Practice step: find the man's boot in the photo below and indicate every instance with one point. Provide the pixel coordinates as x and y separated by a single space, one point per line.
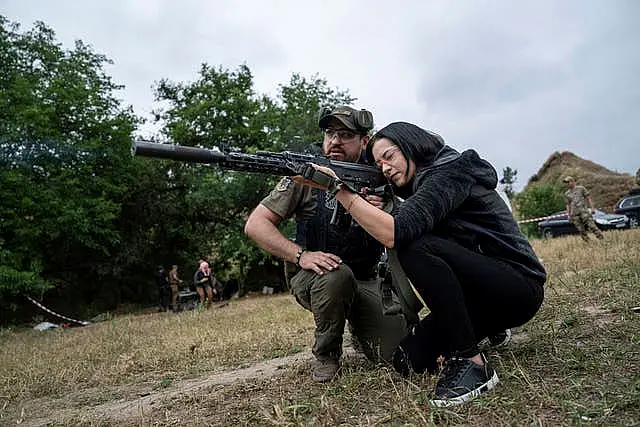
325 368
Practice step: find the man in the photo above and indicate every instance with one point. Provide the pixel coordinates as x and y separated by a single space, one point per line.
337 261
164 291
579 208
174 281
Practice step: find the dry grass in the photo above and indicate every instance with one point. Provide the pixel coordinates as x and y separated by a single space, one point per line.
156 347
576 363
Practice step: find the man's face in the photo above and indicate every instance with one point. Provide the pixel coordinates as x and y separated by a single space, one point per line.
571 185
341 143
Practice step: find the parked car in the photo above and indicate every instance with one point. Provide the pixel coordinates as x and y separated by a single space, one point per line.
630 206
558 224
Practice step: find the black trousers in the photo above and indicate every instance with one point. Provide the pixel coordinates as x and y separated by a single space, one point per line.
470 296
164 294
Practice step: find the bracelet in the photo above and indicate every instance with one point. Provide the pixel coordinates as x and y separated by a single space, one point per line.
298 256
353 199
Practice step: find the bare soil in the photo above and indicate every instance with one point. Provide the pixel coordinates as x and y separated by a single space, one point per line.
143 399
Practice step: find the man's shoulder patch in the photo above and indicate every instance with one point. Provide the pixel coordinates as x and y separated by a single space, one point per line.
283 184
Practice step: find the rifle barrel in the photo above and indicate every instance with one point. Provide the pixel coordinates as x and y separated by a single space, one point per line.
176 152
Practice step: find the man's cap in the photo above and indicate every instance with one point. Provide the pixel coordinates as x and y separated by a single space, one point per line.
360 121
568 179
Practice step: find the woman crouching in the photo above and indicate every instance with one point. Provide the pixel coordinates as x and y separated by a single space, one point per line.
461 249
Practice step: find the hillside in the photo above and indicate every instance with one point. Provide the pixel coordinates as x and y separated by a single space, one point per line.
606 186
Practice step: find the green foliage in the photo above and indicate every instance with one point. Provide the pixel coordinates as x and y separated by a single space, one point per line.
15 279
221 110
299 105
63 143
537 201
85 222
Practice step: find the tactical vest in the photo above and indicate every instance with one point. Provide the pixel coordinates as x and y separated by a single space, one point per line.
345 238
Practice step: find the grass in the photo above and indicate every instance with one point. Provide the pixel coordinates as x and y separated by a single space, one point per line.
576 363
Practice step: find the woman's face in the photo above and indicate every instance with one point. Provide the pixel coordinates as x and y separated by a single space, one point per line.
394 165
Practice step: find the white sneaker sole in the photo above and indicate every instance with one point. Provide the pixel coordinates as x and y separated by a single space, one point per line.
443 403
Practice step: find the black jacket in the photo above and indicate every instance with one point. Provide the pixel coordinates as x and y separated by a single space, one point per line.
454 197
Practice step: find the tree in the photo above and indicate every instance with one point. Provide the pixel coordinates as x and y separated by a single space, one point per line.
64 148
299 103
220 109
538 201
83 222
509 177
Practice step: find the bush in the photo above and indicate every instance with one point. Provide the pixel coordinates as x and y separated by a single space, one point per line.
536 201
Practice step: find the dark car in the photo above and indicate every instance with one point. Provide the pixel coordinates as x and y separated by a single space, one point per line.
558 224
630 206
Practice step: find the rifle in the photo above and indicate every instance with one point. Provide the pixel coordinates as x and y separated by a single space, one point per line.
287 163
359 177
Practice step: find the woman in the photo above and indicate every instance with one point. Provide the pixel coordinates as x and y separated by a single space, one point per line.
461 249
203 283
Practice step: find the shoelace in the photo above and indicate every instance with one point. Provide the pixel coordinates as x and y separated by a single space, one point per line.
452 369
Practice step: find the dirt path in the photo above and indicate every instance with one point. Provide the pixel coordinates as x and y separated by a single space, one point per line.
42 412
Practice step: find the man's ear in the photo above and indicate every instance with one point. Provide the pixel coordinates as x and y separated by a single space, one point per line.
364 141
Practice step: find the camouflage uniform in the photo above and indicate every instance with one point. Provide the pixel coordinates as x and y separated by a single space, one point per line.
338 295
580 213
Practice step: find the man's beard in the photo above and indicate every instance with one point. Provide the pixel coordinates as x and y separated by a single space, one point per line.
340 156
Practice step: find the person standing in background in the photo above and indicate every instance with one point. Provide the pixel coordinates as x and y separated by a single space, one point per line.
163 288
202 281
580 208
174 281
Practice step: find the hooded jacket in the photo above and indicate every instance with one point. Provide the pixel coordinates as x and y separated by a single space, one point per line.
453 196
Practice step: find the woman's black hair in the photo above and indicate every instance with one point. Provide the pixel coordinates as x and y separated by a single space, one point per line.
416 144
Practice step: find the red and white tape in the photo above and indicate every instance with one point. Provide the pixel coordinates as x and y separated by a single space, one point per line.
81 322
542 218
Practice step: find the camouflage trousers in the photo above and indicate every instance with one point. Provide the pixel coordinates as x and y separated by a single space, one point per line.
584 223
336 297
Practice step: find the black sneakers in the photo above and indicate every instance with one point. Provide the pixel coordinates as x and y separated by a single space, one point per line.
462 380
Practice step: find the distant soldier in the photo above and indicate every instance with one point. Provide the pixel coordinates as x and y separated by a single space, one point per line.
579 208
164 290
638 176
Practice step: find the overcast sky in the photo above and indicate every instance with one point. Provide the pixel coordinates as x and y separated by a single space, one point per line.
514 80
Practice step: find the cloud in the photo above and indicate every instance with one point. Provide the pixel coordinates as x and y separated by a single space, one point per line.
515 81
